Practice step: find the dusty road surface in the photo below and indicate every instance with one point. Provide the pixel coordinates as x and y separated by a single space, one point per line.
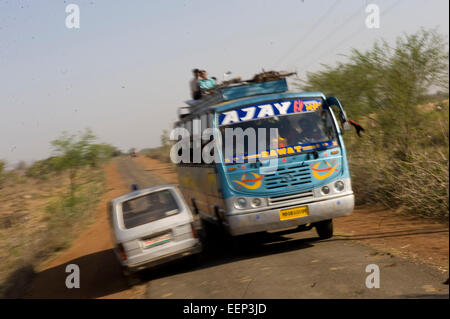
286 265
100 274
272 265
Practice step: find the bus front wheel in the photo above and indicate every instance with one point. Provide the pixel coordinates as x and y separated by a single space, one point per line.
325 228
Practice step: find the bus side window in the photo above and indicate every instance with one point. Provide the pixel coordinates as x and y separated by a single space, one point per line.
210 123
196 140
204 121
178 125
179 138
188 126
207 119
210 120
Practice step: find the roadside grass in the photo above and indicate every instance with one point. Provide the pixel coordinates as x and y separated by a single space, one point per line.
65 215
36 227
161 153
418 184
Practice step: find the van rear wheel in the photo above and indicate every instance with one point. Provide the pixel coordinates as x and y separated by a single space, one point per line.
194 260
131 278
325 229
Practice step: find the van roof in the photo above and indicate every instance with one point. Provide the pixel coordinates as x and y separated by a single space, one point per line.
141 192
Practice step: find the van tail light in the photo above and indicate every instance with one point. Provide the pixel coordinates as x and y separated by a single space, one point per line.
194 231
122 253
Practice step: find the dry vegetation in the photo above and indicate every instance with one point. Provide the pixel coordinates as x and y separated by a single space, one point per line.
418 184
43 207
401 160
38 218
161 153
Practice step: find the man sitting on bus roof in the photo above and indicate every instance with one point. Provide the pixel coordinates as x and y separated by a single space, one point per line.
195 90
205 83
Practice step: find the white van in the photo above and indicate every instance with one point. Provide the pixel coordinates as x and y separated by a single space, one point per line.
152 226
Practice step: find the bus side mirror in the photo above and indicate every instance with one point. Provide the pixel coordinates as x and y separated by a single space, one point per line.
346 126
342 115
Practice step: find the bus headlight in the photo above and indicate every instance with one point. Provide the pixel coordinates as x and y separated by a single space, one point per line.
256 202
240 203
325 190
339 186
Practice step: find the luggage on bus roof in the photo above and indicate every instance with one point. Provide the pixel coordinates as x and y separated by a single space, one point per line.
262 83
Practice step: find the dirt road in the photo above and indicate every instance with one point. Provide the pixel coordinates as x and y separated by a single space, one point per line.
274 265
100 274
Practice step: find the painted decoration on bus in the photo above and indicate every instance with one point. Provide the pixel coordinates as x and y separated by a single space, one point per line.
271 109
324 169
250 183
282 151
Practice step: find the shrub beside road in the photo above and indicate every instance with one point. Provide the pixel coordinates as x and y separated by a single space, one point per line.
45 206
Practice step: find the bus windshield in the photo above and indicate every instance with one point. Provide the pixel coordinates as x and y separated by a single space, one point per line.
309 130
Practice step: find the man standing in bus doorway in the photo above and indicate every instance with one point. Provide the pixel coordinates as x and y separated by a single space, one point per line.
195 89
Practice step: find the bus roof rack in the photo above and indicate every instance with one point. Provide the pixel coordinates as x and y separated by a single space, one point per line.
262 83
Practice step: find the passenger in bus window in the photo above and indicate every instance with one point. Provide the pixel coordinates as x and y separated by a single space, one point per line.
288 134
195 89
310 130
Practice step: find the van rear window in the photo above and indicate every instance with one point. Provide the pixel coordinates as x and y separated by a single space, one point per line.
149 208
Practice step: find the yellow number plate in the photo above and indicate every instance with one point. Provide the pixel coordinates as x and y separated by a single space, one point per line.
296 212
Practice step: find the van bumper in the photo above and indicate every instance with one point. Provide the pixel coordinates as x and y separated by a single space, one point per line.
150 263
269 219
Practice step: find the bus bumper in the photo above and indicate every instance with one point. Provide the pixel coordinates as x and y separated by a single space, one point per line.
269 219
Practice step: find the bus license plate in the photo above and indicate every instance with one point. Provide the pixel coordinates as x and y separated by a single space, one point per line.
296 212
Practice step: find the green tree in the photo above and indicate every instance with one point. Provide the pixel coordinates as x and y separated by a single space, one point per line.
403 157
40 169
98 153
73 153
165 140
389 81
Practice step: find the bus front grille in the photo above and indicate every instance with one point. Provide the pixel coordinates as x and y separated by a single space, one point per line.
288 176
295 197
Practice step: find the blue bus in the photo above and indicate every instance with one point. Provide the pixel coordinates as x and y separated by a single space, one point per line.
302 181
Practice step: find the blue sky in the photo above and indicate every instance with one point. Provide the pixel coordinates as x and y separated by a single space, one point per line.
126 70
